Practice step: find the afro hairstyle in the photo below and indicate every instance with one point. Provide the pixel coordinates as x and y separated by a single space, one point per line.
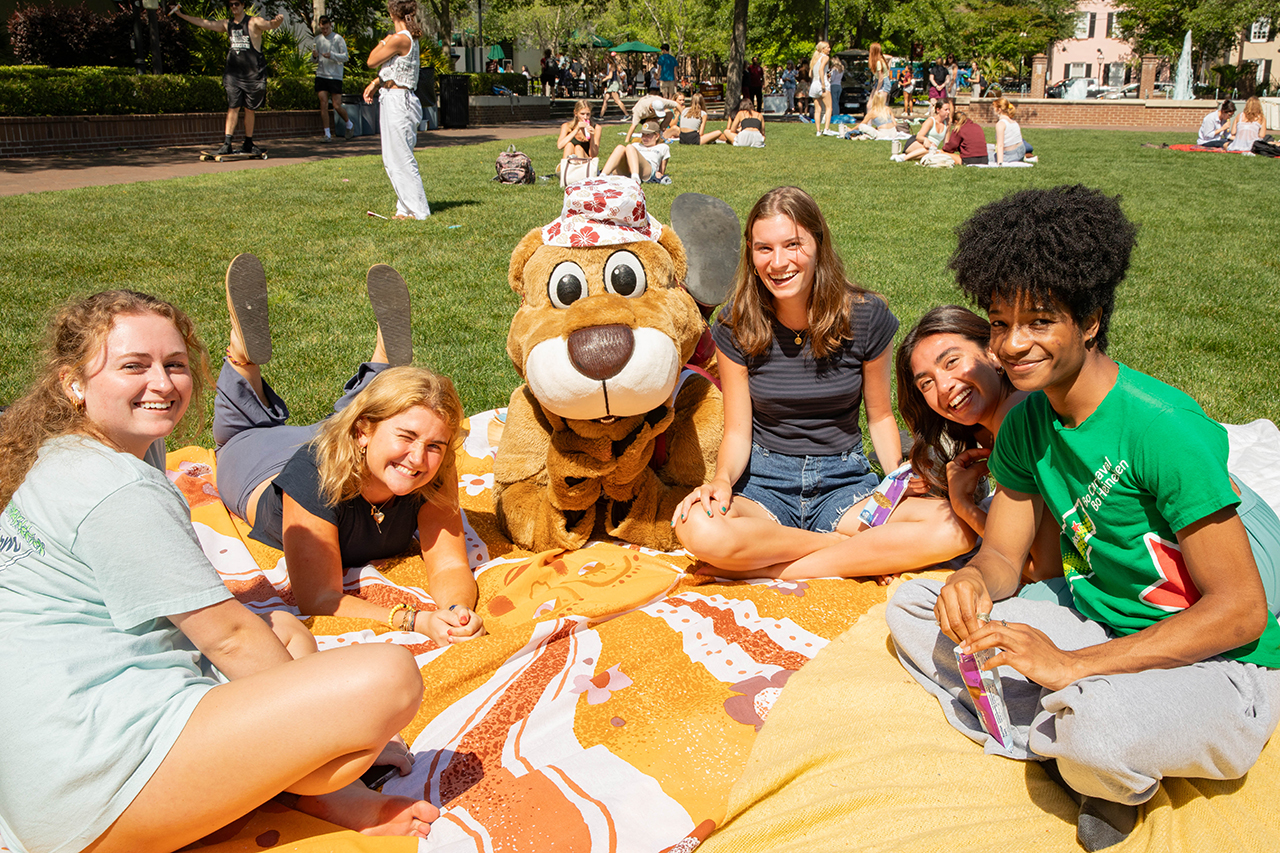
1066 246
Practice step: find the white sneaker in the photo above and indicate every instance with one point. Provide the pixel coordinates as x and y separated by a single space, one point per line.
829 132
898 158
819 133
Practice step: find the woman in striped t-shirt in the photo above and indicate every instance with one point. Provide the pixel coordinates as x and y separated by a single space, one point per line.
799 347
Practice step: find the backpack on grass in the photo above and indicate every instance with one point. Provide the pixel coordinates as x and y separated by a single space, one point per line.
514 167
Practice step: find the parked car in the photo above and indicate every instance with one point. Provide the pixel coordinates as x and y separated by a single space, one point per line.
1059 90
1130 90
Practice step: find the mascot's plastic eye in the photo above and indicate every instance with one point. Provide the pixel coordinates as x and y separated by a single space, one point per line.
568 284
624 275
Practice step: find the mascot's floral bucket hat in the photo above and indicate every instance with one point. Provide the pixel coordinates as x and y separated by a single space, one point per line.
604 211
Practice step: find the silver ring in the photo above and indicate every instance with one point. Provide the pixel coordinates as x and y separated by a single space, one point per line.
1004 623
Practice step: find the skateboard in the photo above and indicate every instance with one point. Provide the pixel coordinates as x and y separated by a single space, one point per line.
258 154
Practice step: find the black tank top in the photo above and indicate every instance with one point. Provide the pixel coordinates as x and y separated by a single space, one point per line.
244 61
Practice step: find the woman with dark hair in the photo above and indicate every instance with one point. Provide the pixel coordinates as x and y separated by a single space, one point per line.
613 82
800 346
932 133
953 396
143 699
399 110
360 484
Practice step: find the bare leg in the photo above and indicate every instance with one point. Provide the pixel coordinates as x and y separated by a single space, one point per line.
611 165
324 111
708 138
310 726
639 167
233 116
239 361
916 150
339 108
921 532
297 640
248 122
747 539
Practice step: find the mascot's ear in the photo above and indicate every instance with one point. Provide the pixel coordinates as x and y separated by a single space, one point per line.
670 241
524 251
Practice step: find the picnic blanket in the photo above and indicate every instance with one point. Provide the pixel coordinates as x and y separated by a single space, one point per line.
611 706
857 756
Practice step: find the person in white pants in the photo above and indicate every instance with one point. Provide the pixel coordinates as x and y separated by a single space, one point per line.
399 110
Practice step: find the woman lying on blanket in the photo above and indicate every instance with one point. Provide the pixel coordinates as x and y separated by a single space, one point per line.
953 396
799 346
354 487
117 735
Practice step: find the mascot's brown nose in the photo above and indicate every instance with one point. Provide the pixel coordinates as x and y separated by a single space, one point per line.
600 352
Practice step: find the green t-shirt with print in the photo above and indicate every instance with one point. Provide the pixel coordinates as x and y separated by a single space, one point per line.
1147 463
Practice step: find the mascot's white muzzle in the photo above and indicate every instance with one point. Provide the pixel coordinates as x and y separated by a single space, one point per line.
604 371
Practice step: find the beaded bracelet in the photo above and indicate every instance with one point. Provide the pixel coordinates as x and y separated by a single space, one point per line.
391 617
410 618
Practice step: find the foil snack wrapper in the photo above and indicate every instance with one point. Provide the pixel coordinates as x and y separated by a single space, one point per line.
984 689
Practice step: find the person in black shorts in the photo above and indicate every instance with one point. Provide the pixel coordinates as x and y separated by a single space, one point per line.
330 52
246 76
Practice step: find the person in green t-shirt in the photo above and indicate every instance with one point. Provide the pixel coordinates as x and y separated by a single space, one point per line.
1164 660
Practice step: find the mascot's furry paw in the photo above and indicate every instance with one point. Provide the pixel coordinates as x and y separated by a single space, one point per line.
608 433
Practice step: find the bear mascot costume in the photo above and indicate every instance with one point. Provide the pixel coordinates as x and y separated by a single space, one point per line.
610 430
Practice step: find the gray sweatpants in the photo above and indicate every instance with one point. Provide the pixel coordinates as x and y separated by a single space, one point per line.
1114 736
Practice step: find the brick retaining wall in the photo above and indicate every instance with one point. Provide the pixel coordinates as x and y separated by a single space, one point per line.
38 135
34 135
1158 113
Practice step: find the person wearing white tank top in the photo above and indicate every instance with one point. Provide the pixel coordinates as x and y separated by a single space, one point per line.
399 110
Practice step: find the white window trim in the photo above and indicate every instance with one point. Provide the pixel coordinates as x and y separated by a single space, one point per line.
1260 30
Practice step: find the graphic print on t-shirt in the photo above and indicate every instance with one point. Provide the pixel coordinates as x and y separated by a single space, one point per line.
1079 528
1175 590
239 38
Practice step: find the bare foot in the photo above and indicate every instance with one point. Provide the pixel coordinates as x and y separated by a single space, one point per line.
372 813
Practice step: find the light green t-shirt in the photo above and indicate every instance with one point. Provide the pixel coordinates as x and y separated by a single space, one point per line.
96 550
1147 463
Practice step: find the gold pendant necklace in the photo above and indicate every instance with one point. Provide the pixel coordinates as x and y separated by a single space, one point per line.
799 335
378 515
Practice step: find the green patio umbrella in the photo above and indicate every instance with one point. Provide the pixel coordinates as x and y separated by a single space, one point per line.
496 52
636 47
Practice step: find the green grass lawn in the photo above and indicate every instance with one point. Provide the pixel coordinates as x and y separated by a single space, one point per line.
1199 310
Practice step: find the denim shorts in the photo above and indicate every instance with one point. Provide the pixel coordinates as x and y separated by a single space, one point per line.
808 492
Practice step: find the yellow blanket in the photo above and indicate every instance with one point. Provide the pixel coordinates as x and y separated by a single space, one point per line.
857 756
611 706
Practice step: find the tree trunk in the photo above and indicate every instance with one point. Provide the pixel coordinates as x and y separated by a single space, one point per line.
737 56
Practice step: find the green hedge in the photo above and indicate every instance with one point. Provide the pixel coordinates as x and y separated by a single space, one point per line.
482 84
40 91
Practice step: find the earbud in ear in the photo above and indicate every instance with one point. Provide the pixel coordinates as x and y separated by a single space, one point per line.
77 390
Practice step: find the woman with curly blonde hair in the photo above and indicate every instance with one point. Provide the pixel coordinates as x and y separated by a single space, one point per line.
1249 127
157 707
355 487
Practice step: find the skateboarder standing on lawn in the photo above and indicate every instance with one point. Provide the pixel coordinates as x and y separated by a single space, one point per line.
246 76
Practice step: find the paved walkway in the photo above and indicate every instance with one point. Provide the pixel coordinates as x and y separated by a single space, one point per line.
101 168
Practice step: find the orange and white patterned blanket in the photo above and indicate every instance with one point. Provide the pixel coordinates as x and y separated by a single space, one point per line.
611 707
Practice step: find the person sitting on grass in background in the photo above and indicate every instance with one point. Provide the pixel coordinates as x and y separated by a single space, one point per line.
1009 145
879 120
371 481
330 52
747 128
578 138
158 708
1216 127
965 142
646 160
245 78
1163 660
932 133
692 125
1249 127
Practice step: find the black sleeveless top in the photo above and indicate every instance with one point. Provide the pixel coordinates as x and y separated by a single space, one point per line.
751 124
244 61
